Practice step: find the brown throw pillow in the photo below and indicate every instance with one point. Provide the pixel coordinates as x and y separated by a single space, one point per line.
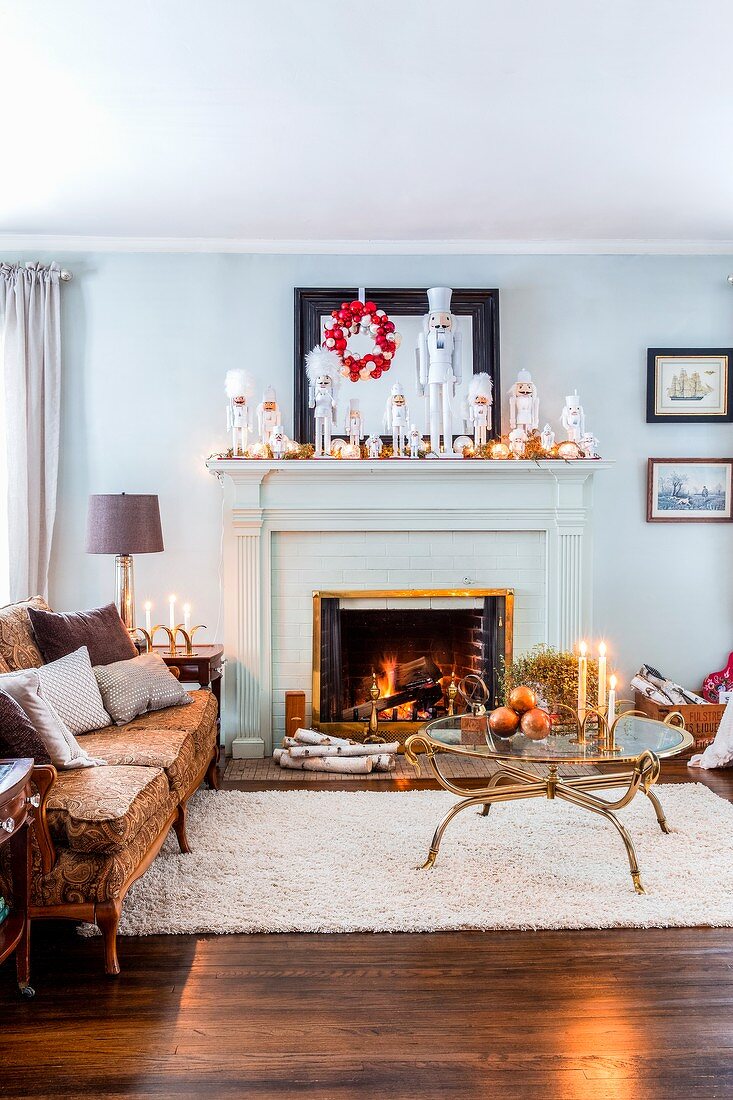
100 630
18 647
18 737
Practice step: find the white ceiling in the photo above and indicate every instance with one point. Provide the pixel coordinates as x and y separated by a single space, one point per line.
410 121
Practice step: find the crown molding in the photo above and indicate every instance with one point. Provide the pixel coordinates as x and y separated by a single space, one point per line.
38 242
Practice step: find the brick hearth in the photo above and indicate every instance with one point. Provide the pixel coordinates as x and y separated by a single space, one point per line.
266 770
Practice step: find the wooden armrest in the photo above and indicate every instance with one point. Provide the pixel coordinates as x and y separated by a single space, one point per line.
43 776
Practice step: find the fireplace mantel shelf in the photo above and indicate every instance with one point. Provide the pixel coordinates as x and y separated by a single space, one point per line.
259 469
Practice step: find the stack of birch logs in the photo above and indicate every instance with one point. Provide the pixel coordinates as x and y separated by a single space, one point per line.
308 750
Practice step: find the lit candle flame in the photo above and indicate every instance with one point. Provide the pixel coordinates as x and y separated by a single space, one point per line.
147 606
613 681
602 649
583 649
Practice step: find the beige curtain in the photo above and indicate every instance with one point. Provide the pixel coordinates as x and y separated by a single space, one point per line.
30 380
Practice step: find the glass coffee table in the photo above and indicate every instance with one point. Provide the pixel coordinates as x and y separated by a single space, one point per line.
636 747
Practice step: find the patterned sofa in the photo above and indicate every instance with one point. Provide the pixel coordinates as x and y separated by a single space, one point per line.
103 826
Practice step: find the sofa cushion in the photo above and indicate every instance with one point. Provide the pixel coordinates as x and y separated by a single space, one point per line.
78 877
198 719
101 630
71 688
172 750
137 686
102 809
18 736
65 751
18 647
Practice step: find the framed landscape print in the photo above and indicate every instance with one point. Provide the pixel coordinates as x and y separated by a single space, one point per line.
689 490
477 313
689 385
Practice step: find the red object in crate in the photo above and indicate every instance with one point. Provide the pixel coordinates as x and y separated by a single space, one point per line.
717 680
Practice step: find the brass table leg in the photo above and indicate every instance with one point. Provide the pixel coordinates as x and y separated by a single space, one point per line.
596 806
657 809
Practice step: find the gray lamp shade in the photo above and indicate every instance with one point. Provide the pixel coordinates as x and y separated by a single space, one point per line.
124 523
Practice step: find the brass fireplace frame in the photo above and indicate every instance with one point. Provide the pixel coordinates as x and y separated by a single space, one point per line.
350 729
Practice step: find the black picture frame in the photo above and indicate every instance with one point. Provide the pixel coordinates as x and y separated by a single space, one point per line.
654 416
311 303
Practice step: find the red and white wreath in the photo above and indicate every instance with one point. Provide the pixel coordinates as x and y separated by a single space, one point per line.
361 317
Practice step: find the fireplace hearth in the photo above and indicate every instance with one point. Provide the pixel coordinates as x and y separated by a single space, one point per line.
414 644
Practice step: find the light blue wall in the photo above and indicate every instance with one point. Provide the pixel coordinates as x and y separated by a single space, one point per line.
147 339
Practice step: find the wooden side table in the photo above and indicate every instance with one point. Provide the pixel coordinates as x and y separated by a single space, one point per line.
16 798
205 666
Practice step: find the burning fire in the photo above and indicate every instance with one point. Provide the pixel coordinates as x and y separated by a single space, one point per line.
386 683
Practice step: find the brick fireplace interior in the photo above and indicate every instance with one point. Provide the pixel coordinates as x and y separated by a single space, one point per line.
414 647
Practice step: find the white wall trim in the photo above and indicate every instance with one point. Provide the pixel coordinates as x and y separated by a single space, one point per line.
38 242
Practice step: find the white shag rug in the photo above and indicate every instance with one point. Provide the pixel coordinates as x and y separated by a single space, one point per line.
309 861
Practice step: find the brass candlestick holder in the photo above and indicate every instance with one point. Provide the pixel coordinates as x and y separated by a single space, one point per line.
188 636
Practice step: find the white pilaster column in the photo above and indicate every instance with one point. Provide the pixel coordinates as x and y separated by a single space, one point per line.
569 588
248 741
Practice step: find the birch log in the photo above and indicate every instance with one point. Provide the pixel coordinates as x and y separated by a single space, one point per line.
305 751
351 765
313 737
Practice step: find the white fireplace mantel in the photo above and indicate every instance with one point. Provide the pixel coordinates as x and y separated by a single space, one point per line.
263 498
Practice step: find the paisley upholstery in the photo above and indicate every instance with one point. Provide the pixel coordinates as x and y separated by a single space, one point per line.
103 809
171 750
94 877
196 719
18 647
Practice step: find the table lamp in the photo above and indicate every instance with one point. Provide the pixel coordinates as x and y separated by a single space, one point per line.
124 524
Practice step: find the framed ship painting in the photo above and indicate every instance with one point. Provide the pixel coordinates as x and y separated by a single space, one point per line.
689 490
689 385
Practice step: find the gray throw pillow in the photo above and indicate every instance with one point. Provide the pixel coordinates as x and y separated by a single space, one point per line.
130 688
61 745
71 688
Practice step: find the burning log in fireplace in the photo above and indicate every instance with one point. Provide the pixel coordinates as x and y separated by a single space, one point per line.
414 684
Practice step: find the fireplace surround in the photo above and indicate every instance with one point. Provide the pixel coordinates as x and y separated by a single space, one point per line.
293 527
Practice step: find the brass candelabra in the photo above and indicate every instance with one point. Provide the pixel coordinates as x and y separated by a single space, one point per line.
188 636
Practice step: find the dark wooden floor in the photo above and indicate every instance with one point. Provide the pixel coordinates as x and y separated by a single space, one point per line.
627 1015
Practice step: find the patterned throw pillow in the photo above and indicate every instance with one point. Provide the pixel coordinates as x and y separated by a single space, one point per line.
18 647
101 630
63 748
135 687
18 737
71 688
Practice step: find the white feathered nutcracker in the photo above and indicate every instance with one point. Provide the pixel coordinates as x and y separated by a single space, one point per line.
524 404
573 418
479 407
374 446
397 419
439 366
322 367
268 415
415 442
589 445
279 442
354 424
547 439
239 387
518 441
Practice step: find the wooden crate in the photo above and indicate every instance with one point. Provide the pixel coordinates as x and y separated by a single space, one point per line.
701 720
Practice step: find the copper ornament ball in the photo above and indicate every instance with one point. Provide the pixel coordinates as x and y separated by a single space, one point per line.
504 722
521 699
536 724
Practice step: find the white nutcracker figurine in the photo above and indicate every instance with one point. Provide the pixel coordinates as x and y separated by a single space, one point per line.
479 408
589 445
573 418
439 366
278 442
518 441
239 387
415 442
547 439
396 419
322 367
524 403
354 426
268 415
374 446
